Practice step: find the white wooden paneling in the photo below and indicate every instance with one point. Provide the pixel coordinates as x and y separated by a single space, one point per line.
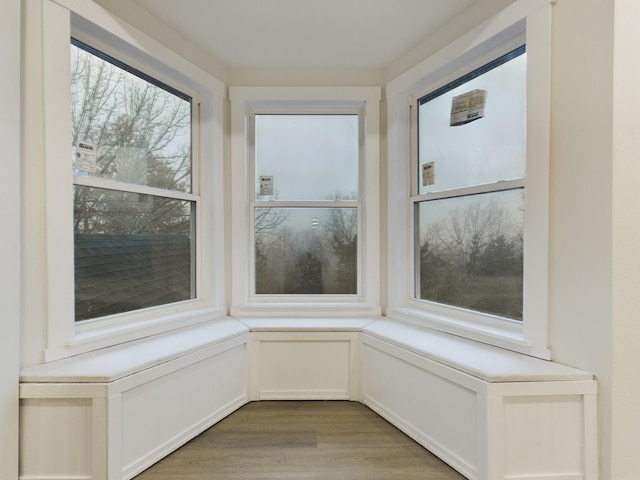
543 427
304 365
117 413
45 425
516 417
159 416
437 413
538 425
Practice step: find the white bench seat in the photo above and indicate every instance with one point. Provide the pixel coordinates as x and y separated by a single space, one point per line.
110 364
488 363
491 413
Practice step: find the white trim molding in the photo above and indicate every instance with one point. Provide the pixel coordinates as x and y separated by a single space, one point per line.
244 101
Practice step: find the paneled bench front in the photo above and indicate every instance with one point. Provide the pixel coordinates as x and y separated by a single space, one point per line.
490 413
109 414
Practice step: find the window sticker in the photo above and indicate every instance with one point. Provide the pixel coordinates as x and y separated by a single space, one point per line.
468 107
428 174
85 157
266 184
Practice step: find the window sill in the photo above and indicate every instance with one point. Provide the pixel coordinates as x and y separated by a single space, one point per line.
509 336
316 324
102 335
306 310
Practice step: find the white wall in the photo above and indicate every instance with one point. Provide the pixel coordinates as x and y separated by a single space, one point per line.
625 328
595 228
9 236
478 12
34 319
580 303
141 19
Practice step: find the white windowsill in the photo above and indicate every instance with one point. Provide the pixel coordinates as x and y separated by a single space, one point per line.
508 336
315 324
102 335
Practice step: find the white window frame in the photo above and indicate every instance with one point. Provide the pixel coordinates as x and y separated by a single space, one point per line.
524 22
246 102
92 25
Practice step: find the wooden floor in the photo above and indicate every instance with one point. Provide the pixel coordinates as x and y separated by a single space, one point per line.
301 440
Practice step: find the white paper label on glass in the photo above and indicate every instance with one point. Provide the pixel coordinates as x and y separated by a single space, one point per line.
428 174
468 107
266 184
86 156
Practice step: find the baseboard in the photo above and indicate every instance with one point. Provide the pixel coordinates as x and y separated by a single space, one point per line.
303 395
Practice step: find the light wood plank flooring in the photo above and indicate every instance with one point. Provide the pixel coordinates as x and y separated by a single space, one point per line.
302 440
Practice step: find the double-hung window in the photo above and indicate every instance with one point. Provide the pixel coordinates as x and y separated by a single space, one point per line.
134 196
469 190
306 203
305 188
131 133
469 146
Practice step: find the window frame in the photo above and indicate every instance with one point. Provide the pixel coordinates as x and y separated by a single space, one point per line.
254 203
192 196
416 198
94 27
246 102
526 22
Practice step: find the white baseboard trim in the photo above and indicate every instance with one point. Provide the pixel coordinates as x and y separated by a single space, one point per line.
303 395
551 476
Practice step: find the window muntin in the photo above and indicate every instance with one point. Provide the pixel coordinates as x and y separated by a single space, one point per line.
469 213
306 223
487 150
134 210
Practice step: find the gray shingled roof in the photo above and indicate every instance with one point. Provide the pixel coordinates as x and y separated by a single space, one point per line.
120 273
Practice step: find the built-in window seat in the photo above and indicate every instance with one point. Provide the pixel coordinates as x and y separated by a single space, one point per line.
490 413
109 414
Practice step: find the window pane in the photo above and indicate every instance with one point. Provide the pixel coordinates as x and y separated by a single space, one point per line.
485 150
306 251
127 129
132 251
309 157
470 252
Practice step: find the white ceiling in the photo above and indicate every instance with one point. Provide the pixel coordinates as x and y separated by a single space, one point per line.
359 34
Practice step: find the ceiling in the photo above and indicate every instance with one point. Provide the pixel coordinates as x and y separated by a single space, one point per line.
302 34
